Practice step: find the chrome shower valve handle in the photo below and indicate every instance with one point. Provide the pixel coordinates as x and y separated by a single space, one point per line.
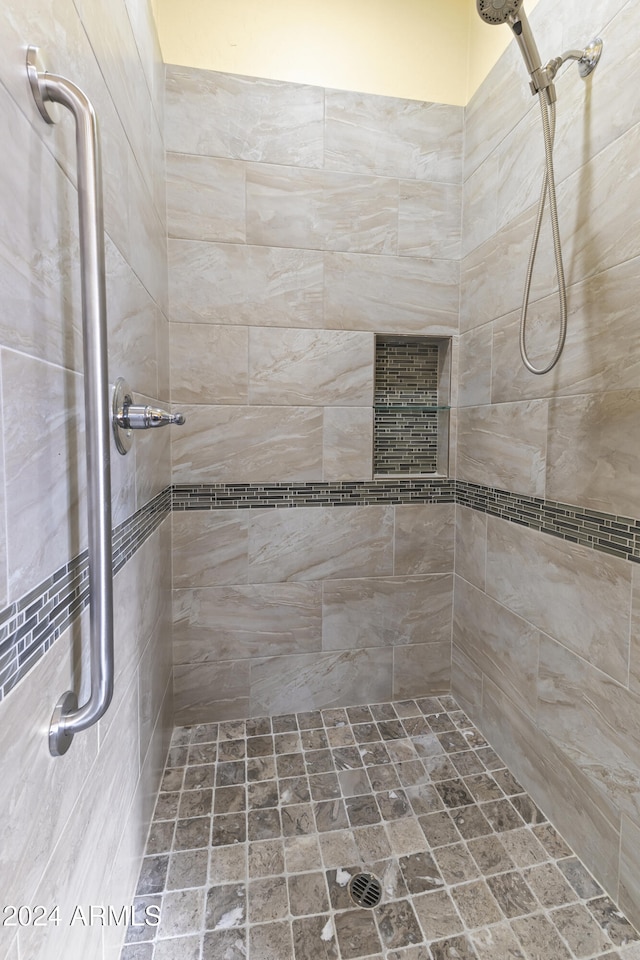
128 416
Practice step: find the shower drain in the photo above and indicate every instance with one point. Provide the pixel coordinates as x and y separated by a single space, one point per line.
365 890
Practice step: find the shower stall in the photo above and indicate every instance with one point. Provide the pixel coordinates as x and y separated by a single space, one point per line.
359 711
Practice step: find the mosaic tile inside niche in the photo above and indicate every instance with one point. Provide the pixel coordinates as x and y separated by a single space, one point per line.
260 824
406 375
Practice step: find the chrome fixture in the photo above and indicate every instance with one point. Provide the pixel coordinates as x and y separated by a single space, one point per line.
128 417
48 90
542 84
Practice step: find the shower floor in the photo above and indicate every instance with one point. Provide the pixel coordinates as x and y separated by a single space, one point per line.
261 823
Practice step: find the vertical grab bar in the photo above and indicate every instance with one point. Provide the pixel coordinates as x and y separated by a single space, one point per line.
69 718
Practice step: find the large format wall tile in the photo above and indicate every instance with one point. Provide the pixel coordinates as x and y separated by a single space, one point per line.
202 691
209 363
501 645
44 449
471 546
386 612
391 295
421 668
424 538
209 547
593 720
429 219
347 443
577 595
504 446
311 367
220 115
391 137
629 889
205 198
475 366
239 444
602 349
307 682
588 821
322 210
318 543
231 283
258 620
593 454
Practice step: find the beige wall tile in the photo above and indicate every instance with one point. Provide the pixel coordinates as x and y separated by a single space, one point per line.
313 367
205 198
424 538
209 547
253 119
500 644
258 620
594 451
319 543
475 360
429 219
421 670
209 363
496 260
634 658
30 826
347 443
504 446
629 869
588 822
392 137
232 283
471 545
206 692
466 682
321 210
480 205
391 294
592 719
227 444
386 611
602 347
44 449
310 681
132 318
575 594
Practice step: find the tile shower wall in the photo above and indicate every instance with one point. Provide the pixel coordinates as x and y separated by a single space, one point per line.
546 630
302 222
72 830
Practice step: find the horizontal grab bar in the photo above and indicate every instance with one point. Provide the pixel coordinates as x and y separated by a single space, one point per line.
69 718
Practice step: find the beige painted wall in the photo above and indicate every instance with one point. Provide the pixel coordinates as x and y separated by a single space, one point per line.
417 49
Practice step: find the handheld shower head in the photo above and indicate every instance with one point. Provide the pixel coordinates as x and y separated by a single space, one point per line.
510 12
497 11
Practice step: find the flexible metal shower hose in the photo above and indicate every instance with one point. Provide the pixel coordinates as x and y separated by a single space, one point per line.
548 111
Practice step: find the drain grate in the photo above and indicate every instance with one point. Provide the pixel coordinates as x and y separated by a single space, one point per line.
365 890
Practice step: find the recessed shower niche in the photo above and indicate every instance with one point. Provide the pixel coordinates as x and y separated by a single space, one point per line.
411 406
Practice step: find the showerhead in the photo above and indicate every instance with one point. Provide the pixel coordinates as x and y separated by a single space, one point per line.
509 11
497 11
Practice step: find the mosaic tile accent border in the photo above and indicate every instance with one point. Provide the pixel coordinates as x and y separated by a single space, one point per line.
352 493
31 625
618 536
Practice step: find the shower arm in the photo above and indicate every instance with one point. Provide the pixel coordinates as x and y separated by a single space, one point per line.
587 59
69 718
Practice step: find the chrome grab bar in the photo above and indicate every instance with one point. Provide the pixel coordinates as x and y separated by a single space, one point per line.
69 718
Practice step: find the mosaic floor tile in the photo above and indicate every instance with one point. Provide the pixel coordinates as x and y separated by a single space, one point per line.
261 824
